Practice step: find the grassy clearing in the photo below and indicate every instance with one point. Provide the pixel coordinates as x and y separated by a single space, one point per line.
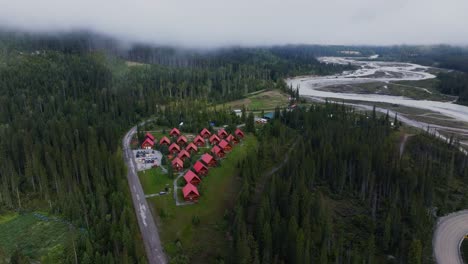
206 240
34 237
154 180
263 100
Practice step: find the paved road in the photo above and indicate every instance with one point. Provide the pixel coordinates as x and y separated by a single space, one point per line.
448 236
148 229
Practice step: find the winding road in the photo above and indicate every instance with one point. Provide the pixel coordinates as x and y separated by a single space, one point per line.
450 229
148 228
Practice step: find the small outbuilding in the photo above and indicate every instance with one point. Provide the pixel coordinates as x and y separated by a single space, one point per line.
214 139
205 133
191 177
199 141
177 164
190 193
182 141
208 160
239 133
200 169
147 144
150 136
218 152
222 133
232 139
174 132
174 148
225 145
183 154
191 148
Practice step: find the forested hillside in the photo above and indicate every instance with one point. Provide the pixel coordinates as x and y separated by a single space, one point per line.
64 106
345 195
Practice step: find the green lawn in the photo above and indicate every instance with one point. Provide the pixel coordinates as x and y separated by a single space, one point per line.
263 100
34 237
218 191
154 180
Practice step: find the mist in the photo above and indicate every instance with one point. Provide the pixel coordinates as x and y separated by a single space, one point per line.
216 23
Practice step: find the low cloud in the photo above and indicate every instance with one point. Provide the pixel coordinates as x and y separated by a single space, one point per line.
210 23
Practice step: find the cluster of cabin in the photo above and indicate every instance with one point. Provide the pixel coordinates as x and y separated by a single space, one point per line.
180 149
220 143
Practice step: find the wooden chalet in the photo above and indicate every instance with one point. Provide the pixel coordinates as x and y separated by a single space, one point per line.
199 141
209 160
214 139
232 139
164 141
191 148
239 133
177 164
174 148
174 132
190 193
200 169
183 154
191 177
147 144
222 133
150 136
182 141
218 152
225 145
205 133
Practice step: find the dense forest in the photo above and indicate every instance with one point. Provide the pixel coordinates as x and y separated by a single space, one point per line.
345 195
64 106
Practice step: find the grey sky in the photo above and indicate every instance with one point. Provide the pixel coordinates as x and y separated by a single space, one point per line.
249 22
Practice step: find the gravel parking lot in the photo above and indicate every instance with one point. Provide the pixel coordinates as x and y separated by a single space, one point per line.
147 158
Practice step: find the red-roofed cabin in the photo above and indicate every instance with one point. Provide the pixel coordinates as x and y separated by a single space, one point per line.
225 145
164 141
199 141
222 133
148 135
191 177
205 133
239 133
183 155
208 160
232 139
182 141
214 139
217 151
190 193
191 148
174 132
200 169
147 144
177 164
174 148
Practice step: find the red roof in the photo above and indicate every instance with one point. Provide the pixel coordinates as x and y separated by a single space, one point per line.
214 137
207 158
230 137
190 188
205 132
222 133
183 153
148 135
182 138
199 166
164 140
177 161
216 149
147 141
191 146
190 175
174 131
223 144
239 133
199 138
174 145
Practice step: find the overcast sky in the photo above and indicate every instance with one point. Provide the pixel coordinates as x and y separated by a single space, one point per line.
207 23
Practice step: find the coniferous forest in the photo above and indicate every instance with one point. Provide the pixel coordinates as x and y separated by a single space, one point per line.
344 195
